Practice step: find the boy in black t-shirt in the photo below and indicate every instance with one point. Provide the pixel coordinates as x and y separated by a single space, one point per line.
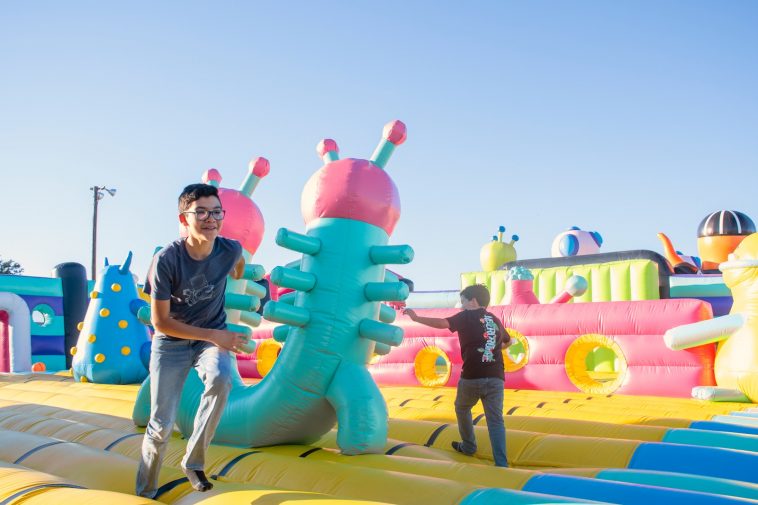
482 338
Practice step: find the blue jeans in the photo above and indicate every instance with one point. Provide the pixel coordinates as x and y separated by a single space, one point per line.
170 362
490 391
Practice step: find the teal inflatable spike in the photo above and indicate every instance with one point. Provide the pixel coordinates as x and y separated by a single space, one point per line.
255 289
236 301
293 279
253 272
297 242
386 291
286 314
382 349
387 314
280 332
288 298
380 332
391 254
251 318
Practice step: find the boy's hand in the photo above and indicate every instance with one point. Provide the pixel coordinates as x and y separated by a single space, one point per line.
229 340
410 313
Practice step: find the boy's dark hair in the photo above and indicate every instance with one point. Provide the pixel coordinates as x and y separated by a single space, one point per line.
477 292
194 192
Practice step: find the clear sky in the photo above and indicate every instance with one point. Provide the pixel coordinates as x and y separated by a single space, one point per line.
625 117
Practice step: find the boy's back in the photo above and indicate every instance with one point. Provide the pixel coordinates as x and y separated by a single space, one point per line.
481 336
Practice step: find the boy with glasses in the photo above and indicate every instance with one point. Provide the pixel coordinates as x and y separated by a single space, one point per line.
186 281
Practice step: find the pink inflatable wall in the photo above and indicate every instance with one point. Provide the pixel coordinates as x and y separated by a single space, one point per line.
636 327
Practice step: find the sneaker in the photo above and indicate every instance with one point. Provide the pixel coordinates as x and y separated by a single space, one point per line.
458 447
198 480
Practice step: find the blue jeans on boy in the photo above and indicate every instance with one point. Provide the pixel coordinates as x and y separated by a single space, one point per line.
490 391
170 362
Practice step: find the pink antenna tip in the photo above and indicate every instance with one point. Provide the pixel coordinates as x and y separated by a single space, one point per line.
395 132
260 167
211 175
326 146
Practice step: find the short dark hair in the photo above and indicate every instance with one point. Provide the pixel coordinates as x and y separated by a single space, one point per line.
478 292
194 192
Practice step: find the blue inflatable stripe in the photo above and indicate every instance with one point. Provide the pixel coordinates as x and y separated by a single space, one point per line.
681 481
721 305
498 496
709 461
46 345
621 492
708 438
728 428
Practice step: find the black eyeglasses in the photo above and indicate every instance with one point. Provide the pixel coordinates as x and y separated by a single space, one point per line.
203 214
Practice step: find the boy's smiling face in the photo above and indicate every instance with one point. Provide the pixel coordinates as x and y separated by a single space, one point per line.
202 230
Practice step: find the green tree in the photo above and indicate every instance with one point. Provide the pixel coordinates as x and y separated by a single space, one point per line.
10 267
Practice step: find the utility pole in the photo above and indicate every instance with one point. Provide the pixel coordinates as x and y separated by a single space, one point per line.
98 192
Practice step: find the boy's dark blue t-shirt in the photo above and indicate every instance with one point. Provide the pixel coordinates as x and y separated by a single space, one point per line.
481 335
194 287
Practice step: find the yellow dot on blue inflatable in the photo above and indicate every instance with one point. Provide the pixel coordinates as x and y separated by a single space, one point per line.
83 379
92 338
105 312
99 358
73 350
80 326
123 324
126 351
116 287
94 294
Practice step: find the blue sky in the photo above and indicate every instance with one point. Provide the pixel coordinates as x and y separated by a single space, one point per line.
625 117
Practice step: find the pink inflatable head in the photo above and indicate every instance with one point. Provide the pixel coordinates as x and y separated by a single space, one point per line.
243 221
355 188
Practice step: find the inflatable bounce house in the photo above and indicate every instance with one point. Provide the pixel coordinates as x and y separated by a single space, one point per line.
633 377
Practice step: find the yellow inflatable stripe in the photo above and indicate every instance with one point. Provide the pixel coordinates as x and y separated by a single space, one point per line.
19 484
447 394
56 496
226 493
691 411
576 427
530 449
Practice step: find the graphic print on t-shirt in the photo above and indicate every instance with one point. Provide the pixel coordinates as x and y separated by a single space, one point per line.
199 290
490 336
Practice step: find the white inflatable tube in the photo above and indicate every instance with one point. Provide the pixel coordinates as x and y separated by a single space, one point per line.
703 332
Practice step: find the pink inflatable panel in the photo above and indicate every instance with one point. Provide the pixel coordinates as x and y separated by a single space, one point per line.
5 343
636 327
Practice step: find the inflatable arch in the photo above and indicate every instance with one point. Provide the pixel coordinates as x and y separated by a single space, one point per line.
15 344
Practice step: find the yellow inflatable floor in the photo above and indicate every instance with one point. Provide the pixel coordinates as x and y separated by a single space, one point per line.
67 442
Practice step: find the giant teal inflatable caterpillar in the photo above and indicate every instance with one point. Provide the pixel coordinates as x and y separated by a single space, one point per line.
333 323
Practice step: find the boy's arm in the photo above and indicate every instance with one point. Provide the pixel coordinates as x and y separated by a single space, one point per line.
434 322
164 323
239 268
